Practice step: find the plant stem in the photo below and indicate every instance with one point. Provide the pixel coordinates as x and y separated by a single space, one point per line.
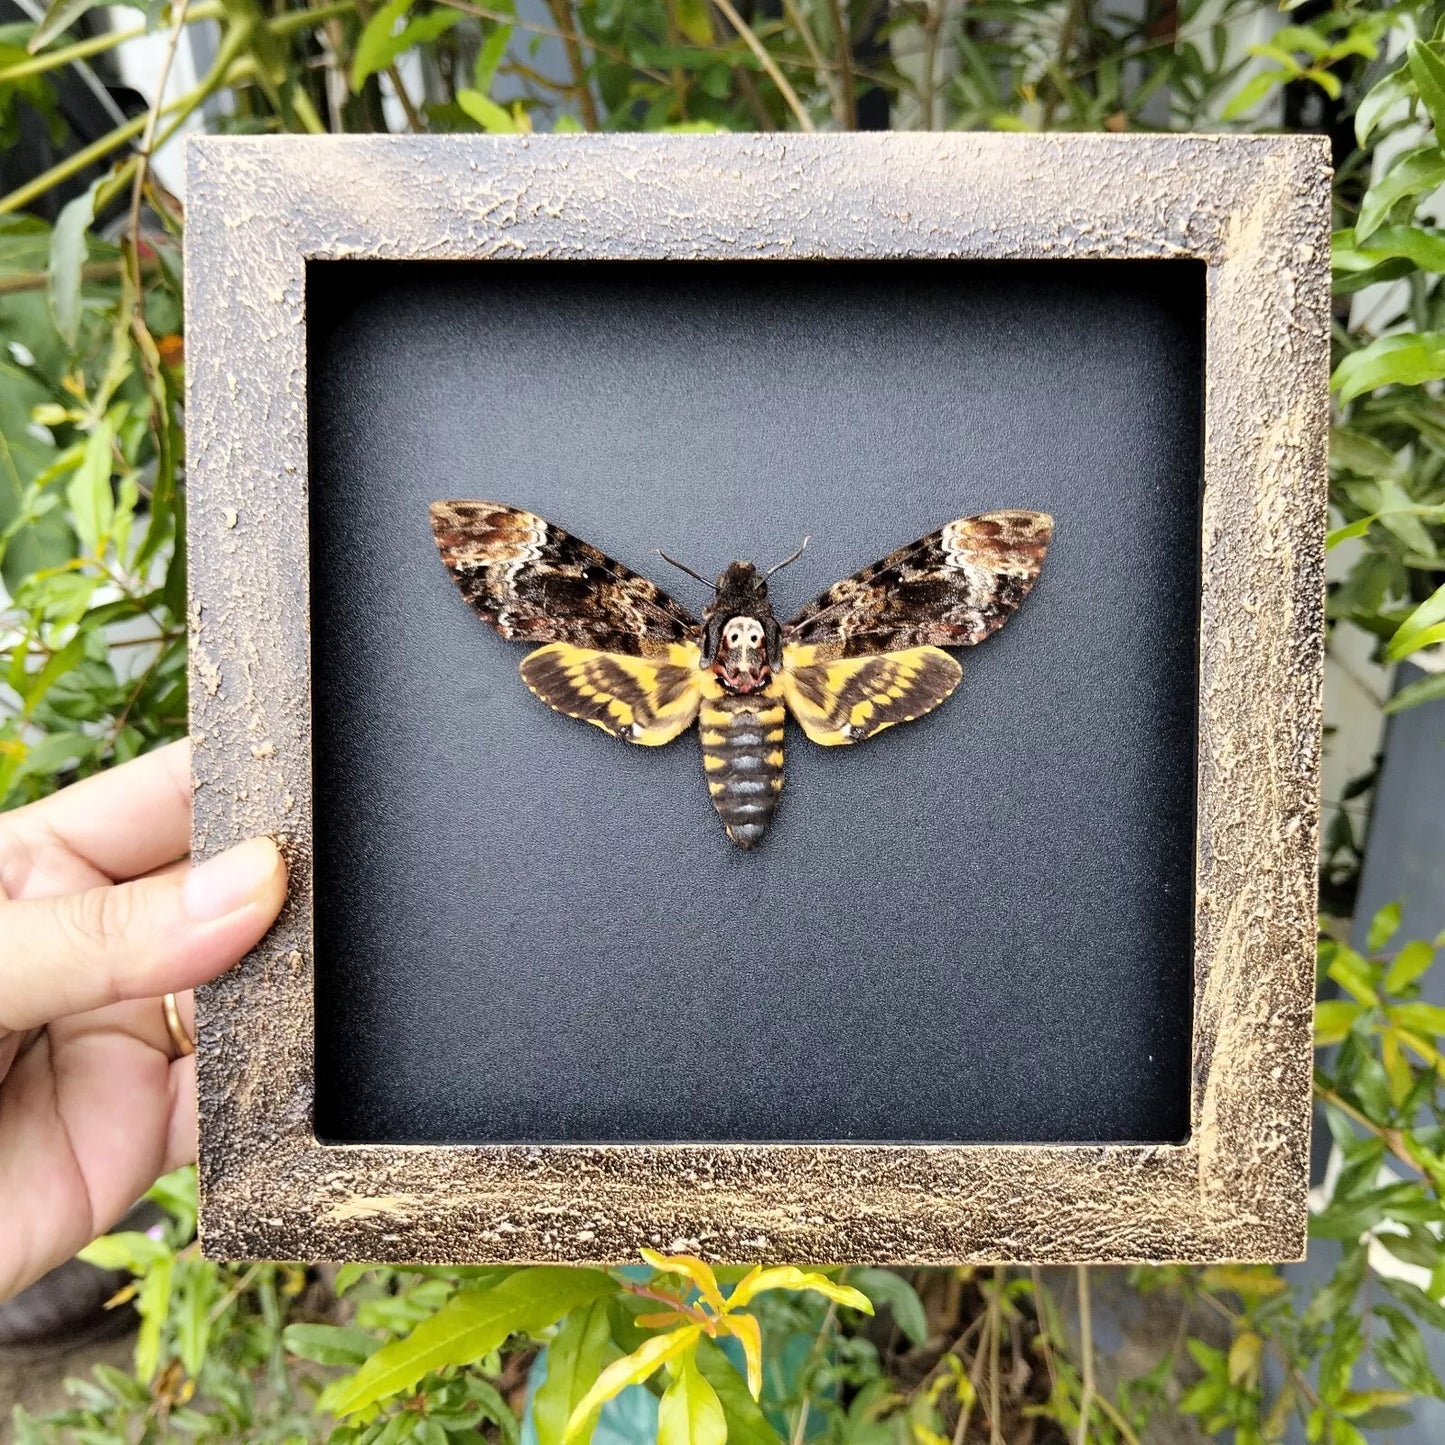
72 165
820 61
577 62
481 12
1086 1350
91 271
844 44
94 45
147 143
800 1421
745 31
932 28
995 1310
1393 1139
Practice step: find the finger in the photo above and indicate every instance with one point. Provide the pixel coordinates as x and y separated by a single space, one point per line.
157 935
181 1129
123 822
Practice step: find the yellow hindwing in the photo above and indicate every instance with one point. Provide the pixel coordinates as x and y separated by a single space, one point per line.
647 700
847 699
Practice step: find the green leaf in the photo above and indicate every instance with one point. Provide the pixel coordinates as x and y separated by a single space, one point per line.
690 1412
193 1316
1394 90
1419 171
471 1324
633 1369
694 21
127 1250
1255 90
1383 926
153 1305
1333 1020
1424 689
1420 629
67 256
328 1344
1422 246
746 1422
1419 1018
487 113
1403 360
1403 1354
489 57
1355 451
59 16
381 42
1411 961
1429 72
575 1358
884 1287
88 493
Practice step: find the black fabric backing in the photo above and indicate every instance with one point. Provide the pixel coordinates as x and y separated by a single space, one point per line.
976 927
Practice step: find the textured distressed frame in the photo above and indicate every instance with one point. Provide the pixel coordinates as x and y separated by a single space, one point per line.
1256 210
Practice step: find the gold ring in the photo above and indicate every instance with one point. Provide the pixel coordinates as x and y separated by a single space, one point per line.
184 1043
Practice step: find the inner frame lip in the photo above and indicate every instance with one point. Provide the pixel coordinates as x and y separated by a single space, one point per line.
1184 1145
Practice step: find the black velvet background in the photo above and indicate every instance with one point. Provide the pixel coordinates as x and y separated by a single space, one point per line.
976 927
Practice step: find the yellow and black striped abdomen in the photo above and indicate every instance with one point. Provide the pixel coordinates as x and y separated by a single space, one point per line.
742 754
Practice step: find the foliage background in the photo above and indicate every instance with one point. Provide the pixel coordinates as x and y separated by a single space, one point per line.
92 646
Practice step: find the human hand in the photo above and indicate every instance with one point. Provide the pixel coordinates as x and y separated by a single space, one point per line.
94 1102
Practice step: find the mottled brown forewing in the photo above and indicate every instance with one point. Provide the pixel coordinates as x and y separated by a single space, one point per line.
951 588
536 583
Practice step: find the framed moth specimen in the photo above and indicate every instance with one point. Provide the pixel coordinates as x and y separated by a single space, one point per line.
1028 979
624 656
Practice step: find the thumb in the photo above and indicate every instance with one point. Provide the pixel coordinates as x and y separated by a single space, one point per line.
156 935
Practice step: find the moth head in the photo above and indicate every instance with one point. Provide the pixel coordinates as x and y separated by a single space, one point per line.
742 580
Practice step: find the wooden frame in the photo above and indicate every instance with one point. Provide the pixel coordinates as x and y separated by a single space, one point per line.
1256 210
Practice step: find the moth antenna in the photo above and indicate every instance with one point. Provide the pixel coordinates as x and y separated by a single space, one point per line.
778 566
683 567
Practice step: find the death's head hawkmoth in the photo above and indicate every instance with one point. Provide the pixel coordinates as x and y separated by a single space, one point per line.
623 655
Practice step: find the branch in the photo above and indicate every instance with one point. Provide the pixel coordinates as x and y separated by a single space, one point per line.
572 43
1086 1350
844 43
745 31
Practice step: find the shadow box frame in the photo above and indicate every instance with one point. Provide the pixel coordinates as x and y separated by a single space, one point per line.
1254 210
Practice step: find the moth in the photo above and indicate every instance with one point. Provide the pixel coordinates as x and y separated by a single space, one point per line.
623 655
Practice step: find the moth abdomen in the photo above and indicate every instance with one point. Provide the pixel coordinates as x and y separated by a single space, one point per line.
742 759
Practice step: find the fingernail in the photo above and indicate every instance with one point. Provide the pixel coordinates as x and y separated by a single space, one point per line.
230 880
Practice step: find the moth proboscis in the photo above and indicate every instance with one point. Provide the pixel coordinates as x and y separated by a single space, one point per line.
620 653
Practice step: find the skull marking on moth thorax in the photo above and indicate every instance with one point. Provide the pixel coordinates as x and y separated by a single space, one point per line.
742 642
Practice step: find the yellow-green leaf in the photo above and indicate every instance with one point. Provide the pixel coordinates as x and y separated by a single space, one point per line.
487 113
690 1268
1420 1018
749 1335
789 1276
631 1369
1333 1020
1244 1356
471 1324
690 1412
694 21
1418 630
1411 961
1249 1282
